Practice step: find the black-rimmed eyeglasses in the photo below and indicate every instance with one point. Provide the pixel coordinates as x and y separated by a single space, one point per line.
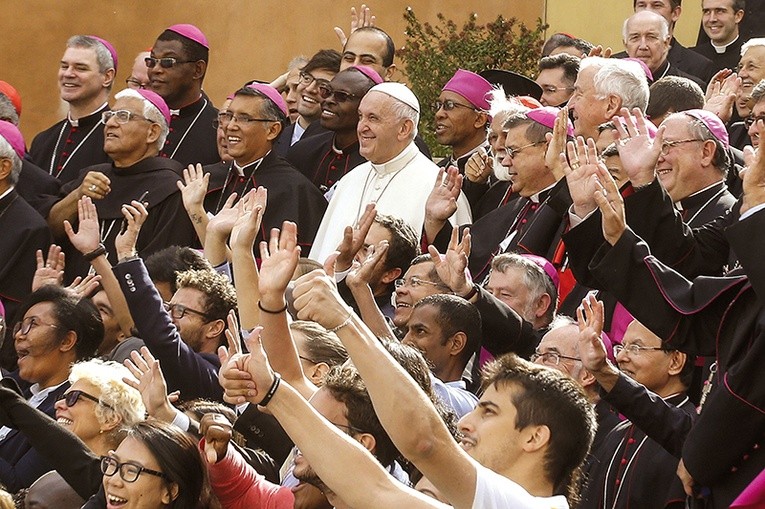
129 472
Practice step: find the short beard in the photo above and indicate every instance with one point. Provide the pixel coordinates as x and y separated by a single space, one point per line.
309 476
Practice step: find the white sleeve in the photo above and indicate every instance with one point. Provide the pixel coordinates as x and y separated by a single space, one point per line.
493 491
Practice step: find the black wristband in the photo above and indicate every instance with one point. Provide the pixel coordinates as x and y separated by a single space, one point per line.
272 389
282 310
101 249
473 291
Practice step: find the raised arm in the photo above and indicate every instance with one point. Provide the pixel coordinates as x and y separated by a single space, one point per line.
403 408
250 213
339 461
442 201
193 190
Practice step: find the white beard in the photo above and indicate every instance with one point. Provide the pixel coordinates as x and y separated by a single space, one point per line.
500 172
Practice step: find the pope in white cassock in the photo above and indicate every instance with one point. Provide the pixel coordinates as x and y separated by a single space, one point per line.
396 176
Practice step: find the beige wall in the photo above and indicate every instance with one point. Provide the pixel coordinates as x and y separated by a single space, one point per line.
249 39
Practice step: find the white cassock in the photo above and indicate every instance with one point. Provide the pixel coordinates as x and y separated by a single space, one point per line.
399 187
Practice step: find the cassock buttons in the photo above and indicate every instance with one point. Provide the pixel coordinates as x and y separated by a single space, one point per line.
624 461
524 220
631 441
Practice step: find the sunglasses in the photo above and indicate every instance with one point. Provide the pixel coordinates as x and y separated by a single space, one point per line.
165 63
325 91
72 397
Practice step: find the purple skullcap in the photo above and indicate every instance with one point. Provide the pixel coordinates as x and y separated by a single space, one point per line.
109 47
368 72
13 136
646 70
713 123
470 86
155 99
230 97
190 32
546 266
272 94
546 116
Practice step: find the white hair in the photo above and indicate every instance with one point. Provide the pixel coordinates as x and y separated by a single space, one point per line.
752 43
499 103
403 111
150 111
623 78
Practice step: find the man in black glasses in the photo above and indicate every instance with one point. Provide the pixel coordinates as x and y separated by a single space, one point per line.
177 66
758 113
85 79
326 157
319 70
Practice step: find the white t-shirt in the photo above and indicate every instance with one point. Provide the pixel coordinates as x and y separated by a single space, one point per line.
493 491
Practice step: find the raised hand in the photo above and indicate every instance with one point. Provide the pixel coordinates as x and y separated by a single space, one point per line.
452 268
222 223
88 235
479 167
316 298
611 207
754 177
135 215
592 351
84 287
194 188
556 144
442 201
217 432
279 260
638 152
250 210
363 18
721 95
599 51
580 170
49 271
150 382
354 237
363 273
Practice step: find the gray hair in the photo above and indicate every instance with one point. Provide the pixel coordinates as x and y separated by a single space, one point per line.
623 78
8 111
150 111
403 111
499 104
752 43
103 56
697 130
758 92
534 278
6 151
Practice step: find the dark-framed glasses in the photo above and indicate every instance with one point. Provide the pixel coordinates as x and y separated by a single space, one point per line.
27 324
449 105
165 63
551 358
306 78
178 311
750 120
129 472
72 397
635 349
326 91
122 116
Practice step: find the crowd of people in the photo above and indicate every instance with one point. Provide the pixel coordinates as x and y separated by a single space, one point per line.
285 302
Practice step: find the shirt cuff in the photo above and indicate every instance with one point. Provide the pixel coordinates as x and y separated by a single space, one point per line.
181 420
225 269
575 220
751 211
340 276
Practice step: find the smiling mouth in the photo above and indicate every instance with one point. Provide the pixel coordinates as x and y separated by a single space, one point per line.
63 421
309 100
115 500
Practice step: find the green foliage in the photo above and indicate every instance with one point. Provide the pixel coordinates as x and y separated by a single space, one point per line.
434 52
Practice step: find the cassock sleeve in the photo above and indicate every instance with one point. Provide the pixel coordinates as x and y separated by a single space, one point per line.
503 329
167 225
185 370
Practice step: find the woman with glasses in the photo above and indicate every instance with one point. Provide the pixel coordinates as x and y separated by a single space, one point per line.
57 330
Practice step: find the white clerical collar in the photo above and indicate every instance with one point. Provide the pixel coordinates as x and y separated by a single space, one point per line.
6 193
255 164
398 162
75 122
722 49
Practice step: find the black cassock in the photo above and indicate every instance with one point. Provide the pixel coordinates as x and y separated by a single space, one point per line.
192 137
37 187
291 196
65 148
167 223
321 162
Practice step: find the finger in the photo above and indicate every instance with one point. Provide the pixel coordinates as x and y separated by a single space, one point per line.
174 396
288 238
130 381
223 355
137 373
229 201
467 242
573 156
454 240
139 361
273 242
439 178
69 233
329 264
39 255
210 454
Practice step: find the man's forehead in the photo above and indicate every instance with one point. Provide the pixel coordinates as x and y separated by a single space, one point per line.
638 333
129 103
754 54
561 339
516 135
172 48
351 80
80 54
366 43
421 270
245 103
